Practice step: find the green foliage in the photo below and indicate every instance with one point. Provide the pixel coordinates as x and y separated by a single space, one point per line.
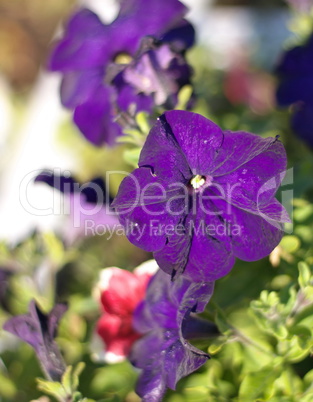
66 390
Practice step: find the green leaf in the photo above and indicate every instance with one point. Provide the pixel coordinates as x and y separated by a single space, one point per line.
258 384
223 325
183 97
54 248
53 388
142 119
304 274
7 387
131 156
302 214
217 345
67 380
290 243
76 373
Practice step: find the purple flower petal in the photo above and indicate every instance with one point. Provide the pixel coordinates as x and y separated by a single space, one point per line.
94 191
141 204
78 87
181 36
252 236
239 148
139 18
254 183
297 61
163 153
163 353
95 120
84 45
199 139
302 122
129 99
188 251
295 88
39 330
159 71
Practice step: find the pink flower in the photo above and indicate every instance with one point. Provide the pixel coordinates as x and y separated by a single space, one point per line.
119 292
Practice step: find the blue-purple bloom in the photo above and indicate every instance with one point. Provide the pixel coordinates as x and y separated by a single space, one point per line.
202 197
94 191
296 88
89 204
92 57
164 354
39 330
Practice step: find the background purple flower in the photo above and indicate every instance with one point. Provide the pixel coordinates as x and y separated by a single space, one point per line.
202 197
89 204
39 330
163 353
158 70
91 54
296 88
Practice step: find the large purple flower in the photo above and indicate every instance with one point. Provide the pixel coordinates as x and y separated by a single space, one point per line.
202 197
39 330
296 88
163 354
91 55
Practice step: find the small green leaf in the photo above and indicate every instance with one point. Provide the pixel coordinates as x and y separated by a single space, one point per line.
183 97
257 384
290 243
142 119
52 388
131 156
217 345
304 274
76 373
7 388
67 380
54 248
223 325
302 214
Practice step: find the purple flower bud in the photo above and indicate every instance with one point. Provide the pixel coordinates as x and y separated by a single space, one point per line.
39 330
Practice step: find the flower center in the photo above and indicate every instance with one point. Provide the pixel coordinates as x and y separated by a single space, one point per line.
197 181
122 58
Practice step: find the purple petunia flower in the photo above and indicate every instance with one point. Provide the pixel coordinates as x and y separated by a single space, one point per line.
92 57
158 70
164 354
88 204
202 197
39 330
296 88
